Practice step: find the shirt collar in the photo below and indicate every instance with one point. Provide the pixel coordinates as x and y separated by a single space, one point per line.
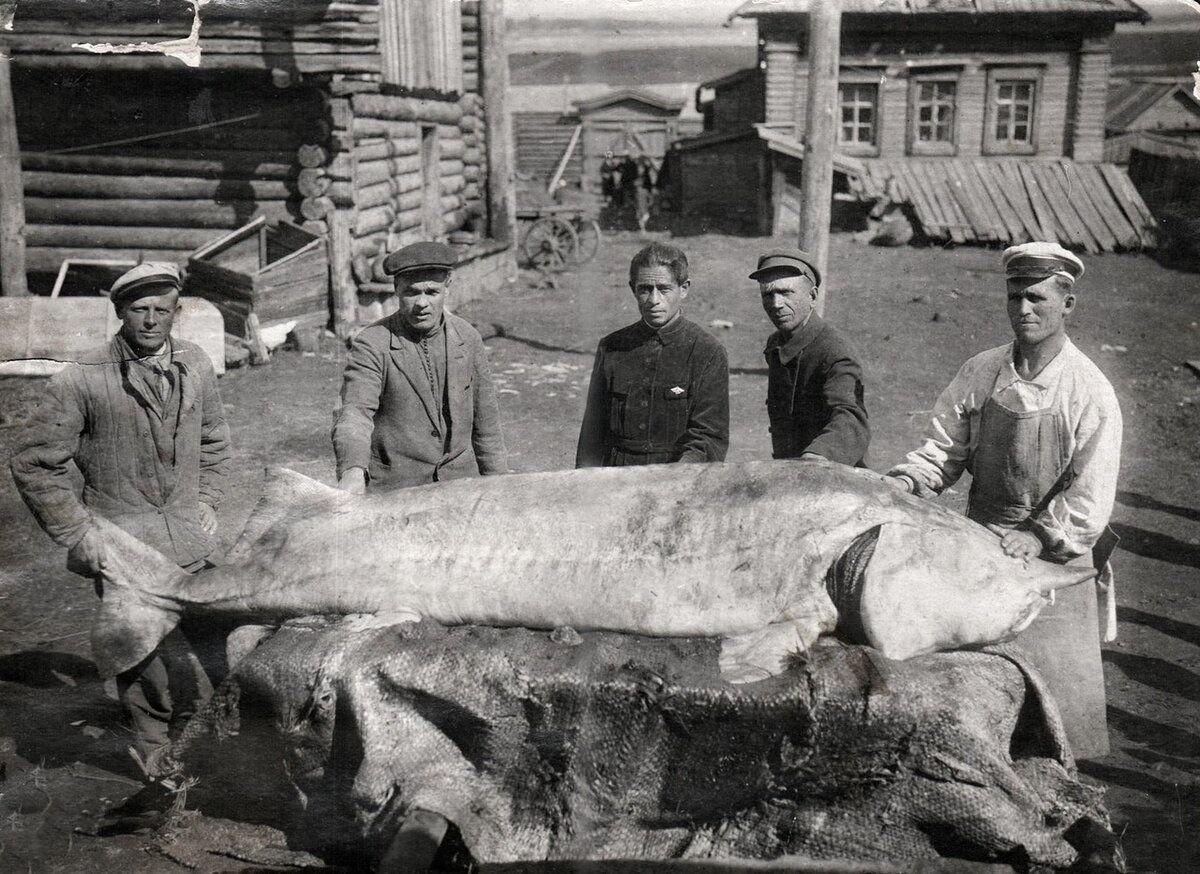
1042 380
668 333
790 346
417 336
163 359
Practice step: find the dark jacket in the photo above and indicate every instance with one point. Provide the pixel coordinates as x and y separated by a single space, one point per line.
145 472
656 396
389 421
815 395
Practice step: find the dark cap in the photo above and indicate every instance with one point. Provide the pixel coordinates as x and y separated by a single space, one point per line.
420 256
797 261
151 278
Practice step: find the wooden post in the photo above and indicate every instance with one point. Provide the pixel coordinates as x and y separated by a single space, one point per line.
820 137
502 206
12 197
345 289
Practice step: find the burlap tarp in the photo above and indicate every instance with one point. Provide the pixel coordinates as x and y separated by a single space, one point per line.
560 746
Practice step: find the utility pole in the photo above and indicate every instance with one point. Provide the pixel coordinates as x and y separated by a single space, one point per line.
820 133
12 197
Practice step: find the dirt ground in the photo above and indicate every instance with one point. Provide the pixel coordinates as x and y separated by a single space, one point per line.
914 314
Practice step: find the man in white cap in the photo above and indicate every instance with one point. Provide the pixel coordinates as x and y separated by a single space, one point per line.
1037 425
142 421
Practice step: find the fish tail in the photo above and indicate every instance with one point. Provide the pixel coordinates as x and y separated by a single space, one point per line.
284 493
137 609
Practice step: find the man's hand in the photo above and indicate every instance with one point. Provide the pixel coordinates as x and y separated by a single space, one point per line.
811 456
899 481
91 552
354 481
1024 545
208 519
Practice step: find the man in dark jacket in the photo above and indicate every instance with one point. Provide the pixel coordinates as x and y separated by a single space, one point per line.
142 420
814 382
418 403
660 387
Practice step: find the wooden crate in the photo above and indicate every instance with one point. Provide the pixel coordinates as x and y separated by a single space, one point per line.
276 273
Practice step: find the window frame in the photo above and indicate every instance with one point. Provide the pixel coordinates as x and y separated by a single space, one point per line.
935 148
859 79
1004 74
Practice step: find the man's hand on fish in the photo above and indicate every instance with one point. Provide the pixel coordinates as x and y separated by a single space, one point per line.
354 481
208 519
901 482
1024 545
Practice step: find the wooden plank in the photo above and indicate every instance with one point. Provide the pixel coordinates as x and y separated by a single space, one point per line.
920 179
1086 209
916 195
1013 188
502 204
1064 210
999 229
968 201
994 188
956 220
12 199
1123 230
1047 224
1131 203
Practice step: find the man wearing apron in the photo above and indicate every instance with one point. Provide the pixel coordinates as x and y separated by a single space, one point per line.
1037 425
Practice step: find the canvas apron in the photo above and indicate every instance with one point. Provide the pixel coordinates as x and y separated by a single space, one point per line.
1020 459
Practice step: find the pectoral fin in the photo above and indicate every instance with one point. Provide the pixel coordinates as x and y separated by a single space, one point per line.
285 493
764 652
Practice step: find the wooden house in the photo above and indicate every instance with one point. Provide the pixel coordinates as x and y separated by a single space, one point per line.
372 122
1153 116
985 113
584 121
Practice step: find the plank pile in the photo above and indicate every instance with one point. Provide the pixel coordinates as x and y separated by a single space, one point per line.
1093 207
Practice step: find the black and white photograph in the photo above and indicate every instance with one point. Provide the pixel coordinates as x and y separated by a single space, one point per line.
600 436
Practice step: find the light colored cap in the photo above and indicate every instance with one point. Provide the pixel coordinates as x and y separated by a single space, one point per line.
153 277
1039 260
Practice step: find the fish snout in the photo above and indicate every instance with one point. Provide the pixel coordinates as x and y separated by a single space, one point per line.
1051 577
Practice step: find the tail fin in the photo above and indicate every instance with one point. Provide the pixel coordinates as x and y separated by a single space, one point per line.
137 609
285 493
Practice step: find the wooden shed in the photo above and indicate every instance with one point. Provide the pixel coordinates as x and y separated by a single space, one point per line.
1144 113
956 100
625 122
374 123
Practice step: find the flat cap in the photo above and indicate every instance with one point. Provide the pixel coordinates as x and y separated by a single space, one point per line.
152 277
1039 260
798 261
420 256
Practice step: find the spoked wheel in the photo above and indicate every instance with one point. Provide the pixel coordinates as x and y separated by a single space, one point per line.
588 231
551 244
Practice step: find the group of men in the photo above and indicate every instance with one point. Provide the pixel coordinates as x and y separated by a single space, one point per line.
1034 421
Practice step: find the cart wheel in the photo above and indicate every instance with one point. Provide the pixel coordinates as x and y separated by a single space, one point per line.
551 244
588 231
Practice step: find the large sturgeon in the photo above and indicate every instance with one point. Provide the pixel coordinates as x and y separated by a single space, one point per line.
764 555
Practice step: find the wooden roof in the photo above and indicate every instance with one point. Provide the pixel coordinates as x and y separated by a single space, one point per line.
1119 10
1094 207
623 94
1128 101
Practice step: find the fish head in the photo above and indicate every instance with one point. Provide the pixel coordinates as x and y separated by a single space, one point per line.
137 609
932 586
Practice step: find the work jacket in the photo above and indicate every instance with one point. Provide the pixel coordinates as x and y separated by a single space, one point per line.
147 465
815 395
656 396
390 423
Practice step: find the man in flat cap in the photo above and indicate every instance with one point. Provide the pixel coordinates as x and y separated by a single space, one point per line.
660 387
142 421
418 403
814 381
1038 426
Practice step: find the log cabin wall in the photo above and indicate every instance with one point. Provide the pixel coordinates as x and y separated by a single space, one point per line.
361 119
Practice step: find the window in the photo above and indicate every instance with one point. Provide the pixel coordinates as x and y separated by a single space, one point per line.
1012 111
857 102
420 44
932 116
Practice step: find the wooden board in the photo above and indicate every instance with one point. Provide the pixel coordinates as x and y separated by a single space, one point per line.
1087 211
1047 223
1131 203
1102 198
1064 210
1014 229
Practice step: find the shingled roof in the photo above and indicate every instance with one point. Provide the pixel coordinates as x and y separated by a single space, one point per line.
1120 10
